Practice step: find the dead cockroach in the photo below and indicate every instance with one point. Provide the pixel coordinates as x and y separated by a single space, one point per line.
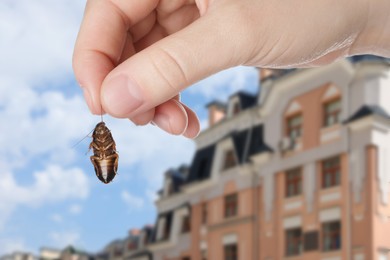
105 157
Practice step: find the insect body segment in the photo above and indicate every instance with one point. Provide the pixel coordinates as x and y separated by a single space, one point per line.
105 157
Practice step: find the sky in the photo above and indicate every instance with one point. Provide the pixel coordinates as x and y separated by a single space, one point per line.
49 194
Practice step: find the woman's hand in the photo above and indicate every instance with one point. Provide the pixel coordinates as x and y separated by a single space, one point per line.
132 58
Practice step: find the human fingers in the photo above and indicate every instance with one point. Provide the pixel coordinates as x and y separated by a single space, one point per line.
162 70
101 40
147 117
193 126
171 117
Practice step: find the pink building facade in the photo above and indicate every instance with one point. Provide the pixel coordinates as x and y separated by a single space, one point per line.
299 171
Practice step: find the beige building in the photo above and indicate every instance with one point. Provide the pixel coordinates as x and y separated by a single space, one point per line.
299 171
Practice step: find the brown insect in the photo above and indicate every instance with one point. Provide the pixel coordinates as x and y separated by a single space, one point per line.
105 157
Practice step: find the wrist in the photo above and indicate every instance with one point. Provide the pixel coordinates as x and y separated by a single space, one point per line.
374 37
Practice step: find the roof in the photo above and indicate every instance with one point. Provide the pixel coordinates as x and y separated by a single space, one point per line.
368 110
201 164
249 142
247 100
359 58
253 136
178 176
217 103
73 250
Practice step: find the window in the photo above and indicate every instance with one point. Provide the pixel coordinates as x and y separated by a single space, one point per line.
203 254
236 108
331 236
293 182
204 213
132 245
293 242
229 160
231 252
332 111
331 172
310 241
231 205
186 224
294 127
167 227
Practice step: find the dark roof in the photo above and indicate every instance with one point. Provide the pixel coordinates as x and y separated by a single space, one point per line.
201 164
249 142
217 103
368 110
247 100
178 176
359 58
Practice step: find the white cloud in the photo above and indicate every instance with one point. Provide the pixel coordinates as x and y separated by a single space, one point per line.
223 84
57 218
75 209
54 184
132 201
61 239
10 245
37 38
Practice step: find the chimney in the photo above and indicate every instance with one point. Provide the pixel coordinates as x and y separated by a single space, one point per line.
134 232
268 73
217 111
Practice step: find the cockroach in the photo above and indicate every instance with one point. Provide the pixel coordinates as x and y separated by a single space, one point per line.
105 157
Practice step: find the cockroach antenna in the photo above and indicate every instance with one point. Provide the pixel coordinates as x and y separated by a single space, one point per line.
82 139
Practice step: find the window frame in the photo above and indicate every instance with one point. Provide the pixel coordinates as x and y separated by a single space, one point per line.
334 236
229 159
231 205
333 172
295 181
291 127
230 251
186 224
297 242
336 115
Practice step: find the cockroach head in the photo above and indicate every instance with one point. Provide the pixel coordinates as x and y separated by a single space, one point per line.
100 127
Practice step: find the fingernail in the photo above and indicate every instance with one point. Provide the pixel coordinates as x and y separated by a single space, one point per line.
88 99
121 96
162 121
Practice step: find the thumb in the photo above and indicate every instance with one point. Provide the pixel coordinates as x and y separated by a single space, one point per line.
161 71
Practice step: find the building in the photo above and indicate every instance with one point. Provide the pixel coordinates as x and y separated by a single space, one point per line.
73 253
47 253
18 256
133 247
298 171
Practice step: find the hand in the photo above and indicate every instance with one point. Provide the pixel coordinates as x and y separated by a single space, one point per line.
133 57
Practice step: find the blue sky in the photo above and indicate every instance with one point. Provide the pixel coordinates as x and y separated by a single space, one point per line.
49 195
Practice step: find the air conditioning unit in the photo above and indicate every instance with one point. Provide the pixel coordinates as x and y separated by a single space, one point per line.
286 144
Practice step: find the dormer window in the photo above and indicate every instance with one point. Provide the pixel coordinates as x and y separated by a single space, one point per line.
229 160
332 111
294 126
186 224
236 108
168 187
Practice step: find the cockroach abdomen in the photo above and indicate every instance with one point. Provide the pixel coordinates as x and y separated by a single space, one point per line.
104 158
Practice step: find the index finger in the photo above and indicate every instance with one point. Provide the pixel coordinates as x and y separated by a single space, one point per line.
101 40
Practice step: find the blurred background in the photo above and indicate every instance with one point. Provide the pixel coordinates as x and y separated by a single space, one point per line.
49 194
291 164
